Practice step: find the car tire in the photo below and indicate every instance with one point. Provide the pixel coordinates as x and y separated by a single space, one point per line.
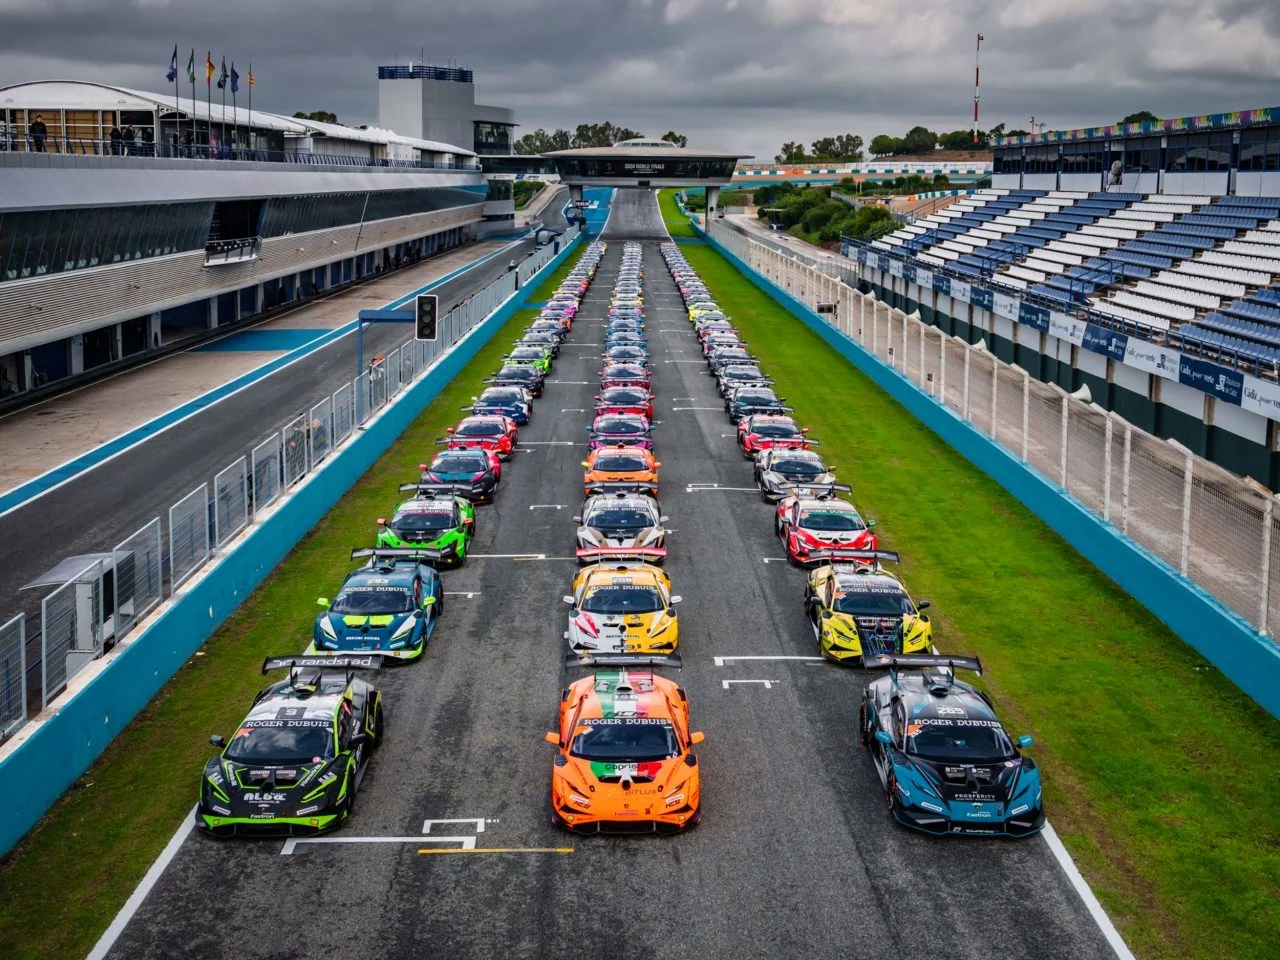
379 727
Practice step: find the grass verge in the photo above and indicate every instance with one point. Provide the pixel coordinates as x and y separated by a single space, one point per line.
1158 771
677 223
62 885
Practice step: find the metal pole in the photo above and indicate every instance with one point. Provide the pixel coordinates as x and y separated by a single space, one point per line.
1124 479
1062 473
995 386
942 369
1026 412
965 396
977 77
1186 513
1268 510
1106 472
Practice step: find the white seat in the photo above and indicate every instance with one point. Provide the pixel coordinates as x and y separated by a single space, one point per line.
1068 194
1057 256
985 234
955 246
1025 273
930 258
892 241
1177 295
1044 266
1010 280
1097 230
1266 251
1136 316
1015 222
945 254
1178 198
1070 246
1223 288
1240 261
1253 278
1159 308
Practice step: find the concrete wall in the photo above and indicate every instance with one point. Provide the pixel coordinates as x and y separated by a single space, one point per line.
62 747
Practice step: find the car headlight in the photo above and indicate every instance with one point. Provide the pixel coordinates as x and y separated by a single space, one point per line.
404 629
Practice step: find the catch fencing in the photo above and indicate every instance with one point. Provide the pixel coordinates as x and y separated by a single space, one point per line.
1216 529
98 607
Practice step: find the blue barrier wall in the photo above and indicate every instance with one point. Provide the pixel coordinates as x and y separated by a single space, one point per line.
1249 660
60 749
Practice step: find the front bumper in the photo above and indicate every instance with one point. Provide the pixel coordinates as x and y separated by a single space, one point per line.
577 821
309 826
939 824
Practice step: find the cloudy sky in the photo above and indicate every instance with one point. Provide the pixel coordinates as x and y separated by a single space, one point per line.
738 74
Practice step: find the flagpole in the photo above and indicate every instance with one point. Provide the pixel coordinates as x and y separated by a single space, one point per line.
177 102
224 112
251 106
208 94
235 120
192 74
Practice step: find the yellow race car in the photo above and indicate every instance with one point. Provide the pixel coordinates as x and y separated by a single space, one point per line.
858 607
622 608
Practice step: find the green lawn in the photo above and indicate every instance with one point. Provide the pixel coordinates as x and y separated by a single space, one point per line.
63 884
677 223
1158 772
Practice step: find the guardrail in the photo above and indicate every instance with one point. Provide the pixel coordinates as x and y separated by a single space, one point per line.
98 606
1189 540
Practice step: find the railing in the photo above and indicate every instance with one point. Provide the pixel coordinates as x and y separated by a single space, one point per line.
1214 528
80 146
91 612
217 253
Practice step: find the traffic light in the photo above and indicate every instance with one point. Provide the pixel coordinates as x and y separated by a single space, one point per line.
425 328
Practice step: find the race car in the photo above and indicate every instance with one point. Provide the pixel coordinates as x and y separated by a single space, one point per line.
513 402
721 341
713 327
546 328
294 764
620 468
437 520
521 375
943 757
771 432
625 400
627 429
721 356
784 473
624 760
622 607
745 401
473 474
856 607
805 525
537 357
496 434
737 375
624 375
626 352
391 604
621 525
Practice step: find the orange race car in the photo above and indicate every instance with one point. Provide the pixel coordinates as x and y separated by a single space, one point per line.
620 468
624 761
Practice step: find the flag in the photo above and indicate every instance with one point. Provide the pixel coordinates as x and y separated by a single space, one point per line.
209 69
222 79
981 38
191 68
251 80
172 75
235 78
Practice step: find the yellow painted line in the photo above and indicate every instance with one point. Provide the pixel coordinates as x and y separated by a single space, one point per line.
502 850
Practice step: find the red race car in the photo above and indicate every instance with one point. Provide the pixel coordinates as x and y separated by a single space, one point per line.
767 431
625 400
624 375
810 526
491 432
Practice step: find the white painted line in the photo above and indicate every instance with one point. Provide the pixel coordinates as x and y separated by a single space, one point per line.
574 410
723 661
108 938
292 844
506 556
698 408
478 821
678 399
677 361
548 443
715 488
768 684
581 382
774 559
469 594
547 506
1086 894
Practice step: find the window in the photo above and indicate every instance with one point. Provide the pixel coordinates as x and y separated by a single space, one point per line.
1199 152
1008 160
1042 159
1260 149
1082 157
1141 155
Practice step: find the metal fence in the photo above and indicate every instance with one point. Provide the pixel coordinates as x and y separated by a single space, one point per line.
13 674
76 620
1213 527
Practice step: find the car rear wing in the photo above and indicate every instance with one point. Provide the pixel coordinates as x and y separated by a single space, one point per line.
624 660
829 489
426 554
620 486
919 661
369 660
437 489
604 554
844 554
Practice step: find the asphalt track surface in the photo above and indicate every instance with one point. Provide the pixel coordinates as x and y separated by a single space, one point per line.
101 507
796 855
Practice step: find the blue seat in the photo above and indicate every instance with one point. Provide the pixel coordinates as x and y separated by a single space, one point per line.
1200 229
1183 240
1267 295
1142 246
1151 260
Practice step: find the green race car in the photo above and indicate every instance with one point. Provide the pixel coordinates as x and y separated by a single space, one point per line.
435 520
531 355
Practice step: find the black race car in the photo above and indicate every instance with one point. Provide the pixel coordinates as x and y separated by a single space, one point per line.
295 762
472 474
520 375
746 401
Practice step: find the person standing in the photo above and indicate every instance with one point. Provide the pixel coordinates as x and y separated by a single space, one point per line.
116 136
130 139
38 131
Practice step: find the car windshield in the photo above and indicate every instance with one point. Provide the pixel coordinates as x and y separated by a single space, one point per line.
789 466
526 353
517 372
775 429
831 520
482 428
743 373
756 397
622 598
422 521
281 741
619 426
622 395
620 463
631 518
946 738
873 604
626 740
368 601
459 463
501 396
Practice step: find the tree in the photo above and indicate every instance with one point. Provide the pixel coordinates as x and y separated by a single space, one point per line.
542 142
1016 133
883 145
320 116
1142 116
679 139
849 147
791 152
919 140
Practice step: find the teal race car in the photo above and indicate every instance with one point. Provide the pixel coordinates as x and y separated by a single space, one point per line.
390 605
436 520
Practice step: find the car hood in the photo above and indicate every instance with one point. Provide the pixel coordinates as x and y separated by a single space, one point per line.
625 633
974 791
269 792
618 537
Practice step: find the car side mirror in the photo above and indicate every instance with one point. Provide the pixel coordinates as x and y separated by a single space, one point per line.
663 519
871 524
804 429
469 521
419 613
697 737
323 602
1025 741
218 742
657 465
429 601
448 429
587 465
676 599
382 521
882 736
577 519
923 604
552 738
567 599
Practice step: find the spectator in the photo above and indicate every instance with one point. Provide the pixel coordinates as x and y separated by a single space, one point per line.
116 136
173 143
188 144
148 142
130 139
38 132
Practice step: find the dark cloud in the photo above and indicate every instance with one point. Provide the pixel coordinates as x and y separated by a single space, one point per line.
742 74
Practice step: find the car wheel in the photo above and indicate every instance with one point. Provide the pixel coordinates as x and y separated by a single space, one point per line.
891 790
379 726
764 495
863 737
